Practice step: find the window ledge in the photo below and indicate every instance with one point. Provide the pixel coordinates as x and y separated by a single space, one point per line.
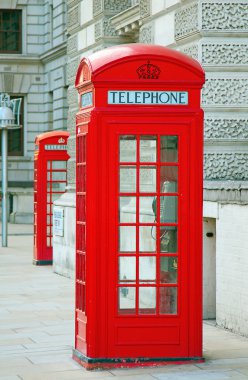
128 22
18 158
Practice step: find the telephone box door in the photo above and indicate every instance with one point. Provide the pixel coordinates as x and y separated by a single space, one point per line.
148 278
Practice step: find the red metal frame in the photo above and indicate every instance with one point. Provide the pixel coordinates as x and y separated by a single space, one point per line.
104 337
50 178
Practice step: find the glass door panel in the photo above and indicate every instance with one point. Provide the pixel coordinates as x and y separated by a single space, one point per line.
148 224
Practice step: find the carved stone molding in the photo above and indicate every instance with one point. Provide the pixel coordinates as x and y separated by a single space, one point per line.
73 18
71 171
110 6
145 8
104 28
72 45
71 145
127 23
72 96
117 6
108 28
216 128
225 15
146 35
186 21
71 121
229 166
98 30
72 67
225 91
191 50
97 7
225 54
226 191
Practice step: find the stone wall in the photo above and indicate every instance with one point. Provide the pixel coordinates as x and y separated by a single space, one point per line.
231 268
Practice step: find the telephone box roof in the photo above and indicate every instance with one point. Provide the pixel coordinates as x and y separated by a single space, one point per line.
49 135
109 57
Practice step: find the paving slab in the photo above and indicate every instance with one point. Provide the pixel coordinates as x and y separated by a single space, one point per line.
37 329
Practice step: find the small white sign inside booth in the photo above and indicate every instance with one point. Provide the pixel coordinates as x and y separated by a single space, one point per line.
58 221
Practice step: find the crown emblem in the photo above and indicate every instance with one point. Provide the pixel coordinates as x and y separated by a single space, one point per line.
61 140
148 71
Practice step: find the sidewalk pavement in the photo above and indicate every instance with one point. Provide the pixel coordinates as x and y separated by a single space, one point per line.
37 329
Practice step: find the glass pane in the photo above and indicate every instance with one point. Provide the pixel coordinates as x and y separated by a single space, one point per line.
168 300
128 149
127 239
61 186
127 209
168 270
55 196
148 148
127 269
168 209
148 179
168 239
147 268
169 149
126 300
128 179
59 164
59 176
168 179
147 300
56 186
146 213
14 141
147 239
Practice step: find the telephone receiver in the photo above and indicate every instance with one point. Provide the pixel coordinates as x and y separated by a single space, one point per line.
168 204
168 215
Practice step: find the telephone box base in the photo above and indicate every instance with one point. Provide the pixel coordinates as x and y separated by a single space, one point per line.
42 262
91 364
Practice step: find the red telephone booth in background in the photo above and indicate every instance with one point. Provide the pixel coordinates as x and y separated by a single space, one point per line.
139 208
50 178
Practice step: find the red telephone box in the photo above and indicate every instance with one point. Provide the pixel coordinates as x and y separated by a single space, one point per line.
50 161
139 208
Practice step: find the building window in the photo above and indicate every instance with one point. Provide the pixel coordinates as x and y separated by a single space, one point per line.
10 31
15 136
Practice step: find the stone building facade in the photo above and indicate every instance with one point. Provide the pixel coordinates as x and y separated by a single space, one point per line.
212 31
37 73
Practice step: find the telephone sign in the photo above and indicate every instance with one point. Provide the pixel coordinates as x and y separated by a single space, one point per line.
139 208
55 147
148 97
87 99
